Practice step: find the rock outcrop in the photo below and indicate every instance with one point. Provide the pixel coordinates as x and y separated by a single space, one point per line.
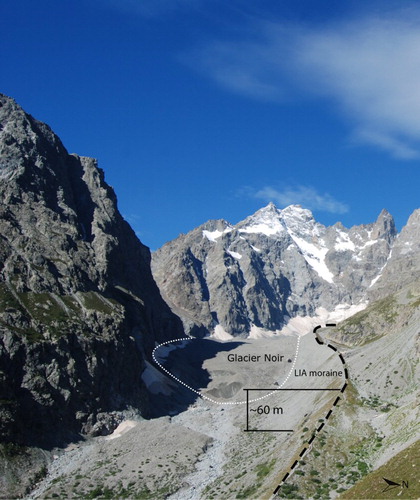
403 265
79 308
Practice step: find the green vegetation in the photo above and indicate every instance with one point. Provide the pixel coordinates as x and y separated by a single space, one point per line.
248 492
33 315
100 492
289 491
264 469
345 461
11 451
387 308
93 301
368 324
40 474
7 299
43 307
402 467
131 491
375 402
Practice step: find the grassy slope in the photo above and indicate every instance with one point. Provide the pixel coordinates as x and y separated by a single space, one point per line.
376 414
403 467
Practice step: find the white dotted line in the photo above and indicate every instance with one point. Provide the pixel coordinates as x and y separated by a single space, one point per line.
206 397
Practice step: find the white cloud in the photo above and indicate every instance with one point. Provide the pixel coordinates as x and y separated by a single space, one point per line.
253 68
370 67
306 196
132 218
398 148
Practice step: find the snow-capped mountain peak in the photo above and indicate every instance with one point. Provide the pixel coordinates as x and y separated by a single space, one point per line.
300 222
268 221
273 265
300 225
297 212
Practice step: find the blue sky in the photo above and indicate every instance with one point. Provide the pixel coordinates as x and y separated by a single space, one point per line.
206 109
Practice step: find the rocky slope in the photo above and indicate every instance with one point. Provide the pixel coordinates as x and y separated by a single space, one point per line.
79 309
380 418
273 266
204 453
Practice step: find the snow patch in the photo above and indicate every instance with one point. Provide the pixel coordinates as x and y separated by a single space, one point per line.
213 235
375 280
344 311
301 325
164 350
301 221
235 255
368 244
221 334
155 381
121 429
380 270
343 242
256 249
260 333
315 257
274 227
266 221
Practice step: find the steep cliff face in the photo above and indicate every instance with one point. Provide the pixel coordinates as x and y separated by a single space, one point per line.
403 265
79 309
273 266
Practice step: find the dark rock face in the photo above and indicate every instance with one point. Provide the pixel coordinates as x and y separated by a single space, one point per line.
79 308
273 266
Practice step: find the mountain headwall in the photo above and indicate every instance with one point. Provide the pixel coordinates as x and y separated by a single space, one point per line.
79 308
273 266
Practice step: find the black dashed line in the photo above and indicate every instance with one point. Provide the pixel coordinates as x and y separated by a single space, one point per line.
346 373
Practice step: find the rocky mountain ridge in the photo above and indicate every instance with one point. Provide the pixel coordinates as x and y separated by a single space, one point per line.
253 277
79 309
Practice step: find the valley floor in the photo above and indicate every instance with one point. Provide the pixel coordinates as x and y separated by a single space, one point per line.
212 450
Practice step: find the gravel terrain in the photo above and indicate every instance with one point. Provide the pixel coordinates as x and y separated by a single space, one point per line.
204 453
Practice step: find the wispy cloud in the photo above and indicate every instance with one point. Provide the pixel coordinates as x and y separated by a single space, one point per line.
132 218
306 196
370 67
